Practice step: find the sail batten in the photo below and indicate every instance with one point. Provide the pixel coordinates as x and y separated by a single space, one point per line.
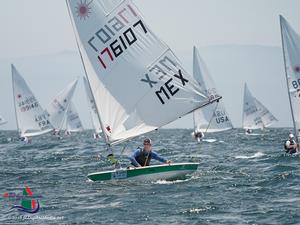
137 82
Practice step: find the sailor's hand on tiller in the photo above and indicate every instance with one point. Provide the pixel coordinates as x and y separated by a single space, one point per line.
168 161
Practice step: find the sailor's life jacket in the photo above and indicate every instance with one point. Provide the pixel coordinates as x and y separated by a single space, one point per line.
290 150
144 158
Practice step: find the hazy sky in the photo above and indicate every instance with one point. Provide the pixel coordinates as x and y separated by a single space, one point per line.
43 26
35 27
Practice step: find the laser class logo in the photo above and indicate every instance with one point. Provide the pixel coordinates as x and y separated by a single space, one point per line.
83 9
28 202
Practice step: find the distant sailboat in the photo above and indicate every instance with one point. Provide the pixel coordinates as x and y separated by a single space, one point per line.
137 82
32 120
57 109
93 110
214 117
73 122
255 114
291 54
2 121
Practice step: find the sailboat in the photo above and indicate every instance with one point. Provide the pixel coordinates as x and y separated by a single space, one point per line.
291 54
2 121
255 114
73 122
32 120
93 110
58 108
137 83
214 117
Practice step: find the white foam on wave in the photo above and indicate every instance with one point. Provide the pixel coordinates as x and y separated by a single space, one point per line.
256 155
171 182
210 140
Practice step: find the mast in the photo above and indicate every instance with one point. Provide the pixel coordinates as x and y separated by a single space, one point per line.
84 67
243 119
286 76
13 84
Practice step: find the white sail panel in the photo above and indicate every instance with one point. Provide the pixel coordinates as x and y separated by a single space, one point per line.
137 82
266 116
32 120
251 114
291 51
73 122
93 110
214 117
57 109
2 120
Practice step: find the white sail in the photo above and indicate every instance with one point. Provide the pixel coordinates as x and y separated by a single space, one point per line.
2 120
291 53
214 117
266 116
73 122
57 109
93 109
251 113
32 120
137 82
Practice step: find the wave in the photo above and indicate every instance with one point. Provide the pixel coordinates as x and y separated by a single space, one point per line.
256 155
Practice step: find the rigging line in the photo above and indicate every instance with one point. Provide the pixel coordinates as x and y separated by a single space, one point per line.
211 117
125 146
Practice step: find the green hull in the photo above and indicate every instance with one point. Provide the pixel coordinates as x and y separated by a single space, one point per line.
149 173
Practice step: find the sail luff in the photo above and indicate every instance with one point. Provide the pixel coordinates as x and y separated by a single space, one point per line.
13 85
286 75
83 63
93 109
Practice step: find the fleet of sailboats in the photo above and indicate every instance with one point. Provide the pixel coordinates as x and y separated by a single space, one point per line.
135 84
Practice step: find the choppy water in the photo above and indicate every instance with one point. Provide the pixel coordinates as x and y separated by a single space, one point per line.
241 180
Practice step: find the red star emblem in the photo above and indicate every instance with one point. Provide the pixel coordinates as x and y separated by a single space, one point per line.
108 129
83 9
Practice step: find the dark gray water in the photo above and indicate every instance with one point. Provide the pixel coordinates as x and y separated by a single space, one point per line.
241 180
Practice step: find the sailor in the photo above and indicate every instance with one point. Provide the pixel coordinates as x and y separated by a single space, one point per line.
291 145
96 136
142 156
199 135
26 140
248 131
